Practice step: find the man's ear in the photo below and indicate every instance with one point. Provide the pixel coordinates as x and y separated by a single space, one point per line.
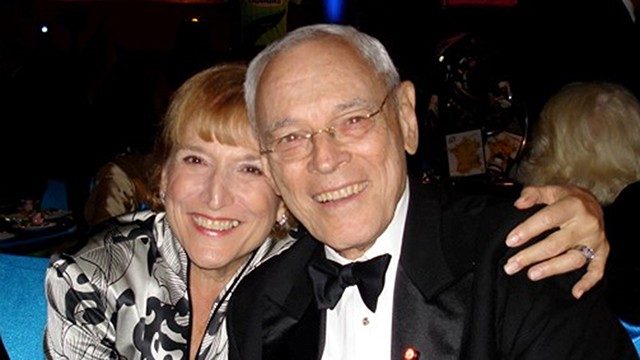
406 98
266 169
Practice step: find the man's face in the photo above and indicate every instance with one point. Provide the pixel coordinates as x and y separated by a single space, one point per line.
344 193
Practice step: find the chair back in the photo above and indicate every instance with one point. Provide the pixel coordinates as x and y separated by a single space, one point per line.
634 334
23 306
55 195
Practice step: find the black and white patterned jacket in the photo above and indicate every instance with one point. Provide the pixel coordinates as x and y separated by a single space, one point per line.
124 295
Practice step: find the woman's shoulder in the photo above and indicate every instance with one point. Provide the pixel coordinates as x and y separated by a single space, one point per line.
113 248
126 233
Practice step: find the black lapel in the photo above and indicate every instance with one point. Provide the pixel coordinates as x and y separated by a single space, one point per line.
431 295
422 257
293 327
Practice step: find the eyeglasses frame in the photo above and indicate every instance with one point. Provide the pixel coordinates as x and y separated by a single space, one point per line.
331 130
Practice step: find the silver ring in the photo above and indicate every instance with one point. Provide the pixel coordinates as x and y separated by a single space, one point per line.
588 253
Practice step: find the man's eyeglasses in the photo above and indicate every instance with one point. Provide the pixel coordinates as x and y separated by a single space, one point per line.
298 144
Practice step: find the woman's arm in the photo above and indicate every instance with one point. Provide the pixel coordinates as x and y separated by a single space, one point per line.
78 325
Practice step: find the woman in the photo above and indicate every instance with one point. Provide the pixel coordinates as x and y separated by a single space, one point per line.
155 285
589 135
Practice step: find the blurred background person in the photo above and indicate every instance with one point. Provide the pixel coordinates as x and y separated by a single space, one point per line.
588 135
156 284
123 185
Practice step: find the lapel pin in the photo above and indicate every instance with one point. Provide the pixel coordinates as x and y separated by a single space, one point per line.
411 354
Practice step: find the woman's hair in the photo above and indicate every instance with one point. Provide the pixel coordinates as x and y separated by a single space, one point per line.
211 100
367 46
588 135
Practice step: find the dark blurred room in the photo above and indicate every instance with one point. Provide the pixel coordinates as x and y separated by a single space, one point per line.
84 80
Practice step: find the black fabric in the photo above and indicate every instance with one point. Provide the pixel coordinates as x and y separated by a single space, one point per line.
435 327
623 268
330 279
450 275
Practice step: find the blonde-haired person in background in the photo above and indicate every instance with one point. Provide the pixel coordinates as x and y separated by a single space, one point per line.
588 135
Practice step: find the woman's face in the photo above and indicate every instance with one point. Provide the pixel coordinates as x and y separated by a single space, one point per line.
218 202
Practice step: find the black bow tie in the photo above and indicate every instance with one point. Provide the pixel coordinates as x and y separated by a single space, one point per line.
330 279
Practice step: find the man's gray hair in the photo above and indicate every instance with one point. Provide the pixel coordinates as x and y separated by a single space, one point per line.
367 46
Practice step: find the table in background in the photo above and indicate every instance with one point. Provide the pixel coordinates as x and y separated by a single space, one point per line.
17 237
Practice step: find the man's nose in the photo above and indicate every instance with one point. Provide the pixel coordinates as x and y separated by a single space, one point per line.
327 153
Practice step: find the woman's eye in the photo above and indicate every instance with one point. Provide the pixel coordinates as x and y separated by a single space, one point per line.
192 159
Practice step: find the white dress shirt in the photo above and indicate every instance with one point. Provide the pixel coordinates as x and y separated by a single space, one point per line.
352 330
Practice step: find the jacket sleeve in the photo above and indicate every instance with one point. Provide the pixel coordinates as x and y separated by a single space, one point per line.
77 326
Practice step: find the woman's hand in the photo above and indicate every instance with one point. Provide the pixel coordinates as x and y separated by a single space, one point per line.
578 215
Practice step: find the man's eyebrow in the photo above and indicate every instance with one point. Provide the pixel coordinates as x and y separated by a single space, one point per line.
280 124
347 105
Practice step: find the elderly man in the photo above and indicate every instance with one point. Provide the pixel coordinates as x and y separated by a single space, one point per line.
334 122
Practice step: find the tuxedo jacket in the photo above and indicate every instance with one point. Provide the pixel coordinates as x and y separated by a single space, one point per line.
623 268
452 299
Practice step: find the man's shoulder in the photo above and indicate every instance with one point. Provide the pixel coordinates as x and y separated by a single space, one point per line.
276 276
475 228
460 204
468 222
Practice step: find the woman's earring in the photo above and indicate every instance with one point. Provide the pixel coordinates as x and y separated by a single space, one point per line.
282 221
162 195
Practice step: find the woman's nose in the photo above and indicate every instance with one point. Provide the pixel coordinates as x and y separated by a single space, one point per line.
220 192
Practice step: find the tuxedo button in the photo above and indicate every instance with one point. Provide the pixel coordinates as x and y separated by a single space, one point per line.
365 321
